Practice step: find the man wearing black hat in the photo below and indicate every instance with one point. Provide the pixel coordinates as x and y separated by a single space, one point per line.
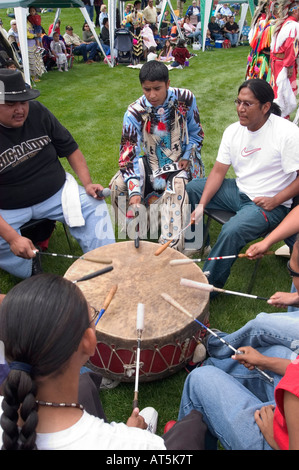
33 183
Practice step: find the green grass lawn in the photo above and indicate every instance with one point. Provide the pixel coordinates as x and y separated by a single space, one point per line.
90 101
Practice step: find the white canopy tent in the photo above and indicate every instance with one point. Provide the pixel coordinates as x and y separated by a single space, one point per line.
167 4
206 7
20 10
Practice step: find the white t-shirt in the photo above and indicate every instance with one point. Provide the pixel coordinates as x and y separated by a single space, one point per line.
91 433
265 161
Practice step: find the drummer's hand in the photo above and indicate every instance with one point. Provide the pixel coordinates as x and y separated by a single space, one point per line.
135 201
257 250
284 299
22 247
136 421
92 189
183 164
197 214
249 357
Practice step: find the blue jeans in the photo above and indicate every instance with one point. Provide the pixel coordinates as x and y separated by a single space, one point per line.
196 36
96 232
228 408
249 223
233 37
83 49
90 12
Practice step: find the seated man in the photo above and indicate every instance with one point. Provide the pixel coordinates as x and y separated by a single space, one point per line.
33 183
79 47
242 406
105 36
231 31
215 29
165 123
263 150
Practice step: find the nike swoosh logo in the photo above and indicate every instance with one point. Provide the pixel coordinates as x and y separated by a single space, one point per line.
247 153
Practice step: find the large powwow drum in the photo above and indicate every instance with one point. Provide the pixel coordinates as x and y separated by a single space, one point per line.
169 336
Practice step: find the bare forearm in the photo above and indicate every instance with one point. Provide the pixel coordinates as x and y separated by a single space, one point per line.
7 232
78 163
213 182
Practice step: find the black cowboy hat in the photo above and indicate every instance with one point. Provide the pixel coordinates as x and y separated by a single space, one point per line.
13 87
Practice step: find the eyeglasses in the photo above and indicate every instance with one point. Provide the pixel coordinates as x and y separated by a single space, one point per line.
246 104
291 272
95 314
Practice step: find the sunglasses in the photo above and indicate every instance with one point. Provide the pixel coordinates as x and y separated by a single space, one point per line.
291 272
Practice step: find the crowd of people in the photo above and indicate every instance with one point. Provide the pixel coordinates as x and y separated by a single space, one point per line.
47 402
147 40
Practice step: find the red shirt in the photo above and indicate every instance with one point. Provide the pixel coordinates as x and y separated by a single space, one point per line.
180 54
289 383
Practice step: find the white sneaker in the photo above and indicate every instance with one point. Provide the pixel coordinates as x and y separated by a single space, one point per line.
150 416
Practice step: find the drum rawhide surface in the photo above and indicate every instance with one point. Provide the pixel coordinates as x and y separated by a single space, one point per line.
169 336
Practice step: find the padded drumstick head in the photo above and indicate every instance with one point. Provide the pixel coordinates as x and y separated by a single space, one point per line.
197 285
140 317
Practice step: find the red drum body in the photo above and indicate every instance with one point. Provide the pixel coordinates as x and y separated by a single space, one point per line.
169 336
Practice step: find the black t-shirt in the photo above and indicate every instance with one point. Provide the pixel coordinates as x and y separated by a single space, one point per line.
232 26
30 170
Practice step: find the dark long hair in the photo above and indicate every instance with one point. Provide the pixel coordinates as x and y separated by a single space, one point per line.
263 93
42 320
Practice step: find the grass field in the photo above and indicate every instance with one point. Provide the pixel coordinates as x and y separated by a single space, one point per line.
90 101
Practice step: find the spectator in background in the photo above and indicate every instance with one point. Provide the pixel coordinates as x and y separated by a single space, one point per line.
225 10
150 13
103 15
97 7
193 10
215 29
79 47
36 20
89 7
57 27
231 30
180 54
105 36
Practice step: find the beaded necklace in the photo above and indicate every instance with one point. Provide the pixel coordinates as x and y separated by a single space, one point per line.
60 405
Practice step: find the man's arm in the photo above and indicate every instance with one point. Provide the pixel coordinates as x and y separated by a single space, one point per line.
269 203
78 163
213 183
195 131
287 227
19 245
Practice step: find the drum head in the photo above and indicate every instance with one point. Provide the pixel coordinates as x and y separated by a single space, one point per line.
142 277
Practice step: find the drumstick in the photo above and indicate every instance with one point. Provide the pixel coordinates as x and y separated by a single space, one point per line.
174 303
137 231
94 274
93 258
139 327
107 302
215 258
211 288
163 247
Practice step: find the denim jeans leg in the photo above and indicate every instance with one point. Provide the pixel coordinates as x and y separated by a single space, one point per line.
15 265
249 224
92 49
98 229
227 408
81 50
279 328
